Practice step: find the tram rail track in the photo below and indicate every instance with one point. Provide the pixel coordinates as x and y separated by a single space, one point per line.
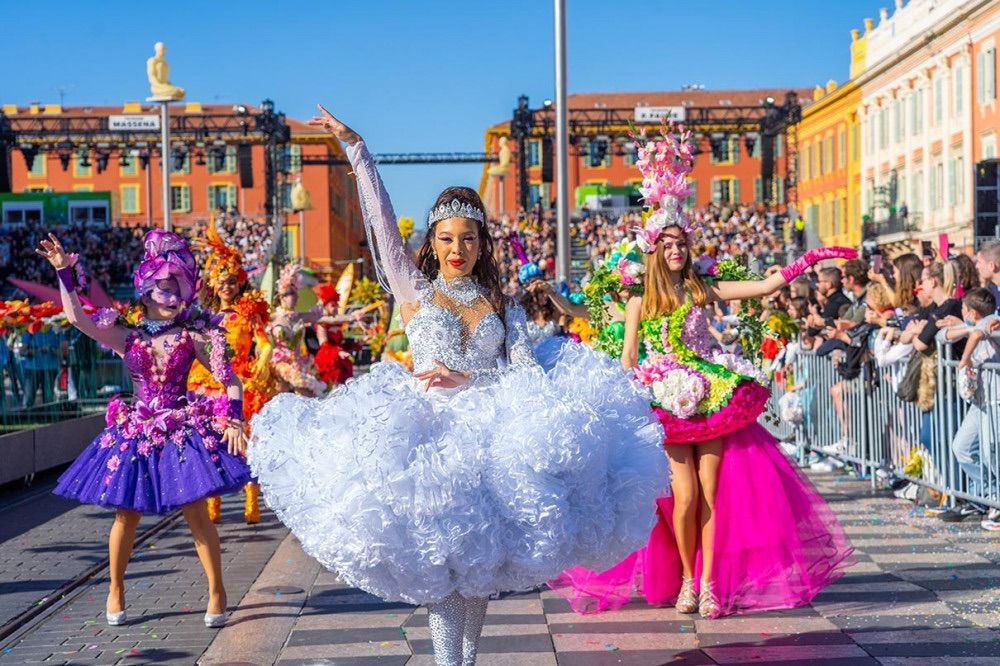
23 623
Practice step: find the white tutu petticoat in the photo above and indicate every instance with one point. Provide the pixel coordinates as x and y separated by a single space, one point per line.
412 496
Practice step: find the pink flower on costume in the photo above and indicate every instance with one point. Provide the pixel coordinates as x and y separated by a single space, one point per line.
211 443
114 462
144 448
123 447
107 479
117 412
106 440
177 437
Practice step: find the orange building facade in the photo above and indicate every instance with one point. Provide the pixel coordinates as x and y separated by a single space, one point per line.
207 182
735 178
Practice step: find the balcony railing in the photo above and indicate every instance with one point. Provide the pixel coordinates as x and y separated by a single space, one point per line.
894 224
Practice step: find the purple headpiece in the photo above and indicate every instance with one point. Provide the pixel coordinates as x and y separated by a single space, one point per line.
167 255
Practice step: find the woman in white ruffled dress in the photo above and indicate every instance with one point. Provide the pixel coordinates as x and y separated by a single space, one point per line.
478 474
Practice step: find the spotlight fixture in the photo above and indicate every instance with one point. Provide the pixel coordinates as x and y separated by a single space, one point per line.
123 159
144 159
30 152
240 109
200 159
599 150
179 157
547 103
84 159
64 159
102 161
717 142
749 141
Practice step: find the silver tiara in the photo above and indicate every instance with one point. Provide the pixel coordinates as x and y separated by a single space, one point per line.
455 208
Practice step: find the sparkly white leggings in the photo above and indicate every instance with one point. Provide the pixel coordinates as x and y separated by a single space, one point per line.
456 623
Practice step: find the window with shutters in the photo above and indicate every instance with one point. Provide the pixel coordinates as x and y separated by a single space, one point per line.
951 183
180 198
916 196
221 197
130 198
534 153
938 100
986 76
855 140
758 189
222 159
842 149
958 82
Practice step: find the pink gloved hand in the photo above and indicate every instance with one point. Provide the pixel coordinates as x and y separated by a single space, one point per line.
799 266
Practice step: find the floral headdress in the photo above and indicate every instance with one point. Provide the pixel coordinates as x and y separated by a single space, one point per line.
167 255
221 260
664 164
327 293
289 280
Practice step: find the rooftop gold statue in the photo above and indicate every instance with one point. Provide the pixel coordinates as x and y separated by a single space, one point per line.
503 168
158 72
300 196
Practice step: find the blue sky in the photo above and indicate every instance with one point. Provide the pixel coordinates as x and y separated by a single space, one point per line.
417 76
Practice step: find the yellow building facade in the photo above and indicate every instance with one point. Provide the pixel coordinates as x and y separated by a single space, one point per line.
829 140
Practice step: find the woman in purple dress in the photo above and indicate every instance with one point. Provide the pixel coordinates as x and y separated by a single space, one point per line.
165 450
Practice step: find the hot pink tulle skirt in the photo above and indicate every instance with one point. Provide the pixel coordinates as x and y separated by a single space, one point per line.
777 543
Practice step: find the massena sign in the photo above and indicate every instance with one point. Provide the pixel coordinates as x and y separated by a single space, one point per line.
654 114
126 123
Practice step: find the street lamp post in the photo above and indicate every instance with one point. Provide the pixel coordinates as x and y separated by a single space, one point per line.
562 147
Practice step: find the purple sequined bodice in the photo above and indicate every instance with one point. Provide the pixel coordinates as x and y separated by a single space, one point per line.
159 366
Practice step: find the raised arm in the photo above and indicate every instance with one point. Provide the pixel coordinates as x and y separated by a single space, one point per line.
729 291
110 335
393 264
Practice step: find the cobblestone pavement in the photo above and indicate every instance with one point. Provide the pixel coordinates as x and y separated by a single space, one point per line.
46 541
922 592
165 588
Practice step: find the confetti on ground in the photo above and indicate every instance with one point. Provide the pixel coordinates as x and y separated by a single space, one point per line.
388 644
119 651
133 651
91 647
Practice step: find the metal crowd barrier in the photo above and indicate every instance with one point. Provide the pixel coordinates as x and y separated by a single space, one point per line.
862 422
55 375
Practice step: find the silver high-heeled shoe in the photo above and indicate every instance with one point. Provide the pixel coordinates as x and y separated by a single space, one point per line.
687 601
116 619
708 603
215 620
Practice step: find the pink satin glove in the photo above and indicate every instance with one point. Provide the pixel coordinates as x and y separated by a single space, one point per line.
799 266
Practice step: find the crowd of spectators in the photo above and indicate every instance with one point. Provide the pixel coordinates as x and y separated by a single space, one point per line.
109 254
887 321
721 232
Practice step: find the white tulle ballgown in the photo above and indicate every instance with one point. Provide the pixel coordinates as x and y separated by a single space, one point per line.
450 495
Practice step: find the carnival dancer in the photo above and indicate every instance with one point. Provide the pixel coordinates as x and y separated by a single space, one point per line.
165 451
226 290
333 364
294 369
478 474
743 530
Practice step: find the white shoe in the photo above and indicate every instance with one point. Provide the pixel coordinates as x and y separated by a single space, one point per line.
790 449
116 619
215 620
991 523
837 448
822 466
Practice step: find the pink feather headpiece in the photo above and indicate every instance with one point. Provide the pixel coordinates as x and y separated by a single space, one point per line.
664 164
289 280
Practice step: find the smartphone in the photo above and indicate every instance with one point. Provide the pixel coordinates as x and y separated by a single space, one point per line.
877 263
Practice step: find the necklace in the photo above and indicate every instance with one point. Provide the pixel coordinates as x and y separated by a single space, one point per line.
155 326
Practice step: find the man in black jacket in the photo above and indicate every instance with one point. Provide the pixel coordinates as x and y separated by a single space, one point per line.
830 285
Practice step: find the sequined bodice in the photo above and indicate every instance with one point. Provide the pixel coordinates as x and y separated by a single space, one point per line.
694 333
457 326
159 366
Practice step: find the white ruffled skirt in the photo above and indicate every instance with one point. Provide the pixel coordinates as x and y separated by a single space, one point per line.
412 496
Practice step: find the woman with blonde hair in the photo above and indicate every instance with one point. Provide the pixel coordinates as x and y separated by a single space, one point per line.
744 530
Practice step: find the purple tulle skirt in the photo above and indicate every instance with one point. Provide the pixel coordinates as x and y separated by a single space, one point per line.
777 543
120 472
